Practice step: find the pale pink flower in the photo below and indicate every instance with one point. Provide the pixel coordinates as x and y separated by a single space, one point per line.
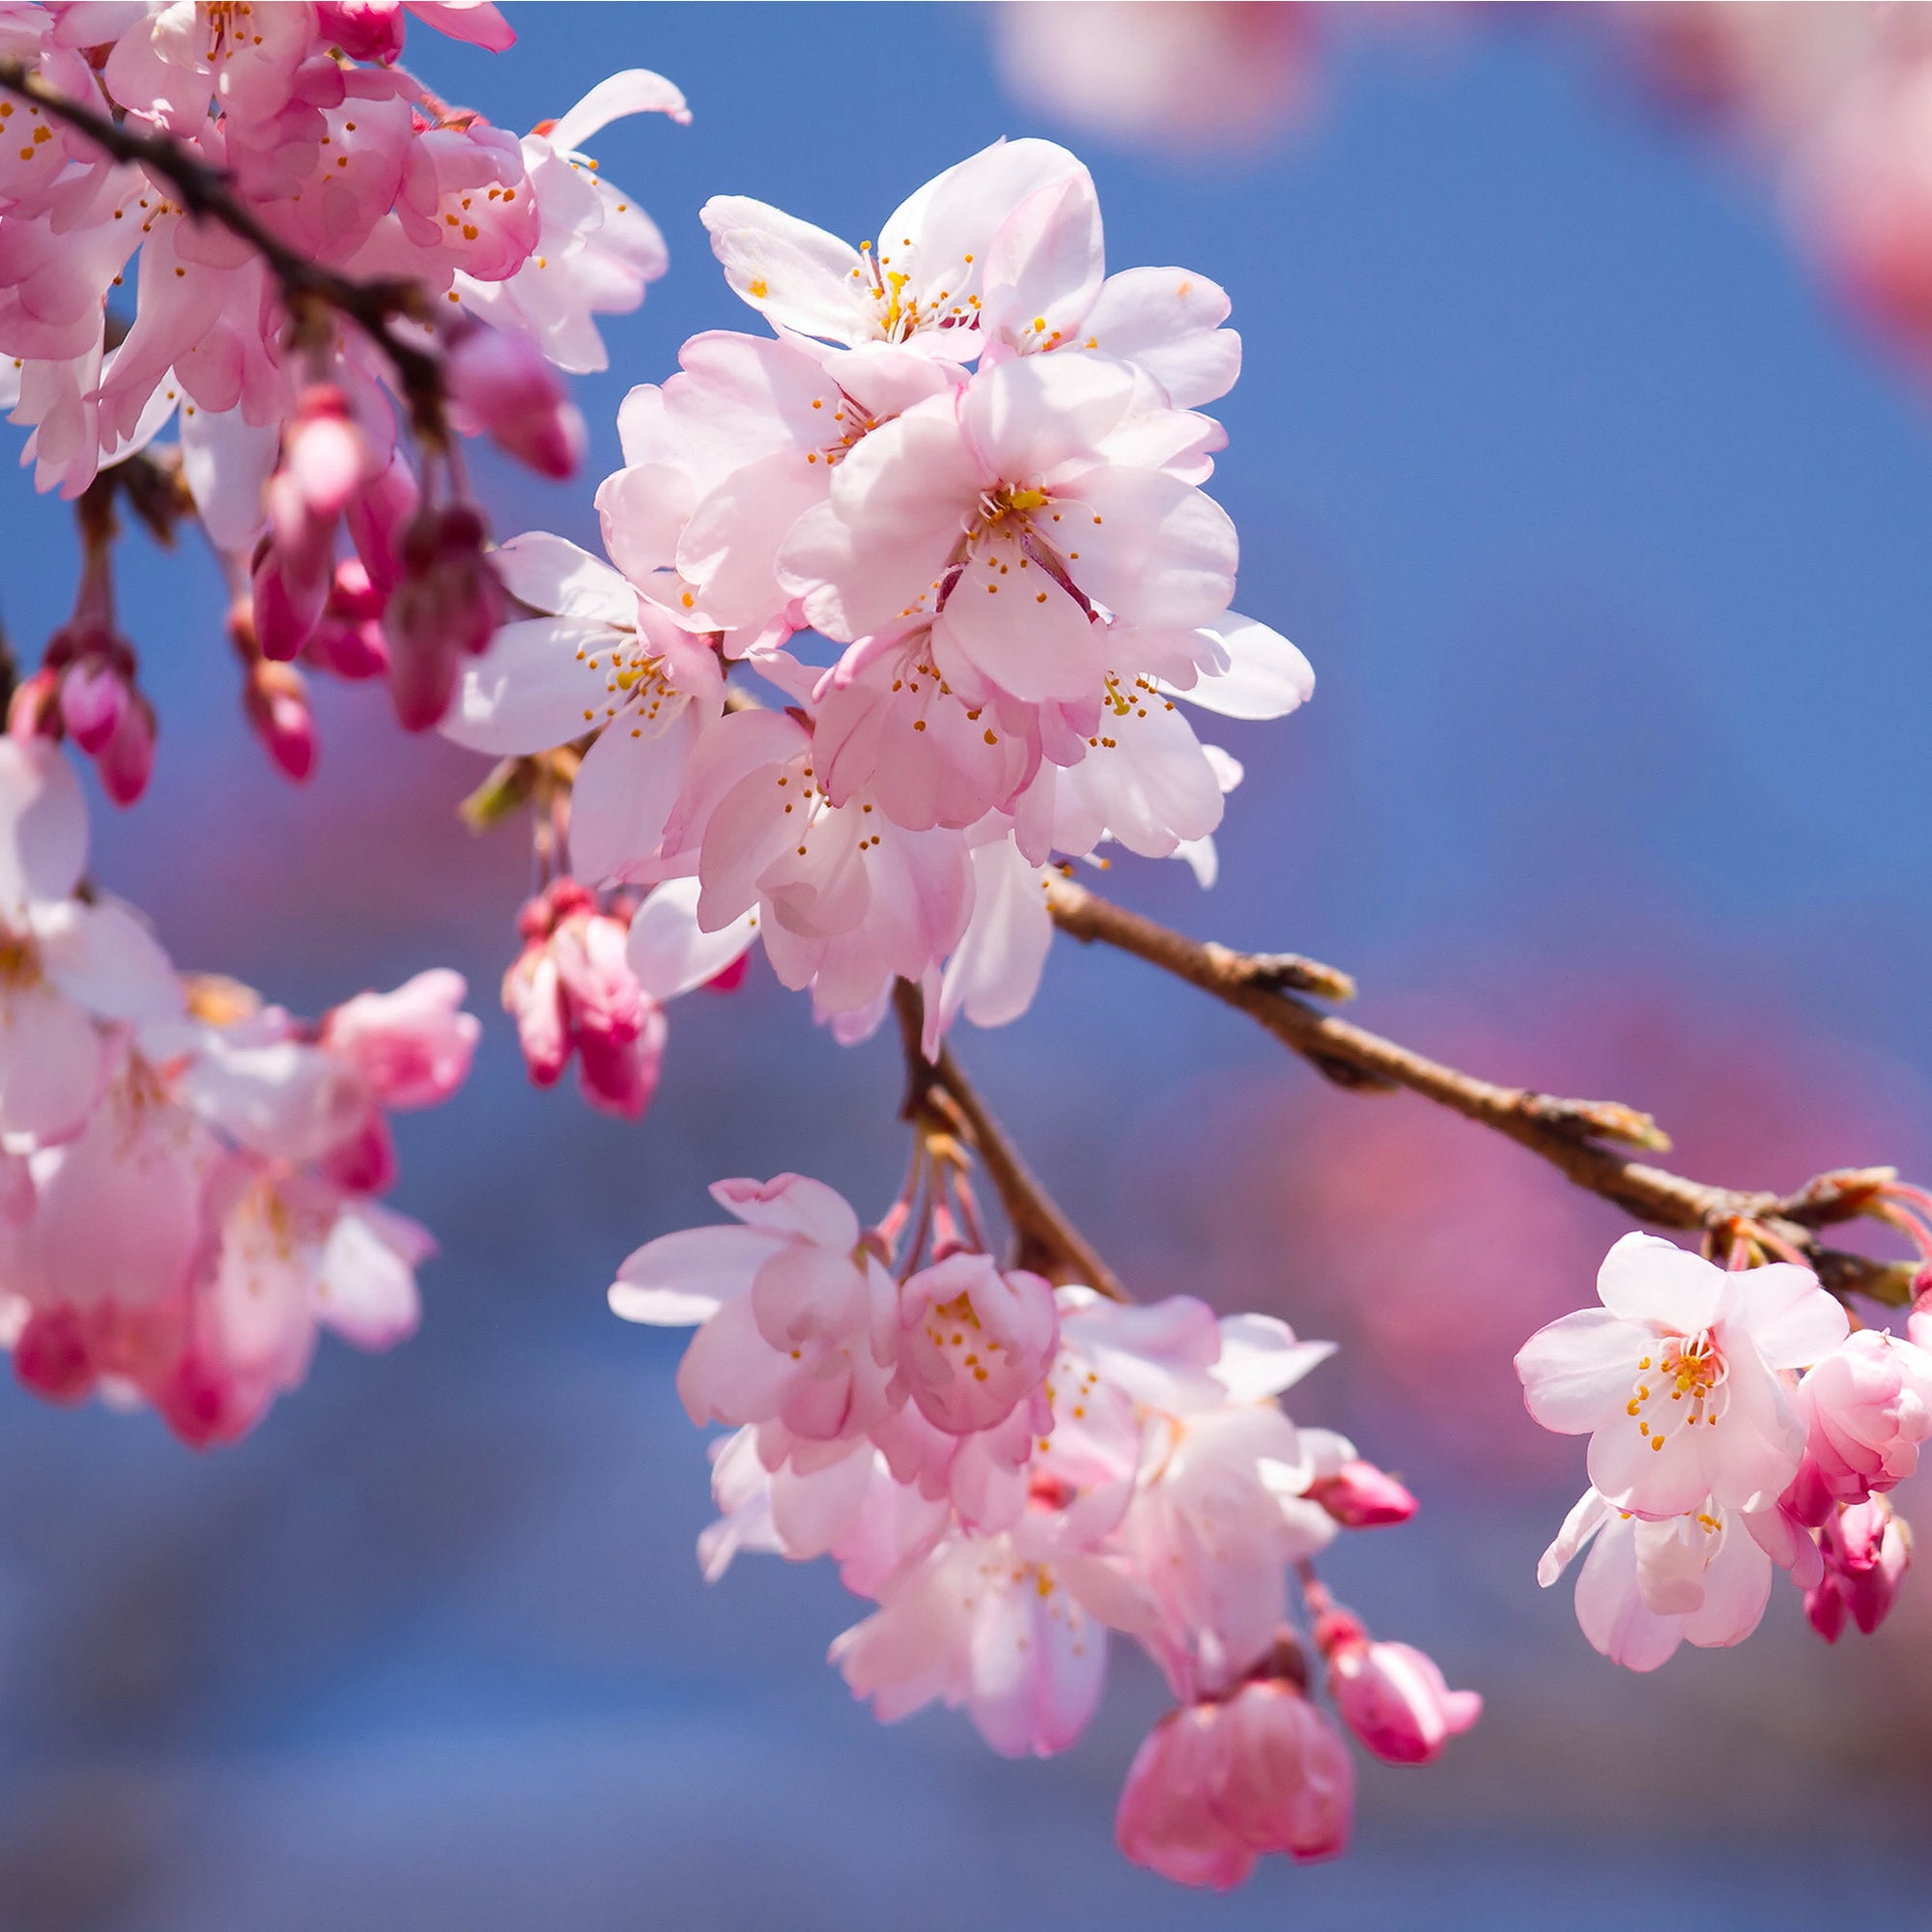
71 967
1676 1378
723 460
596 249
796 1319
1391 1695
1219 1783
923 283
1867 1406
412 1046
975 1344
1649 1584
1006 509
603 660
983 1625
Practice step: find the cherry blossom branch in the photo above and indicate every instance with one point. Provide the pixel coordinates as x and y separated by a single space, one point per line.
1566 1133
307 286
939 1095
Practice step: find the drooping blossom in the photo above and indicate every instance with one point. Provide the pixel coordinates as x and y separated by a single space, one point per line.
1649 1584
1223 1781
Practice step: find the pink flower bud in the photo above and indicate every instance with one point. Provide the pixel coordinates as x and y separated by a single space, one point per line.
1360 1496
620 1076
533 998
1867 1406
1217 1784
379 518
288 593
502 383
93 694
976 1343
277 710
51 1356
447 603
1867 1551
323 453
412 1047
127 759
363 1162
1394 1698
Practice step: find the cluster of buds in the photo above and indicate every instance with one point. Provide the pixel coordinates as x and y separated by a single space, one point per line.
86 689
571 991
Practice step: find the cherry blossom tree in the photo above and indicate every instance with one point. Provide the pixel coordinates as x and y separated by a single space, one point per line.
915 601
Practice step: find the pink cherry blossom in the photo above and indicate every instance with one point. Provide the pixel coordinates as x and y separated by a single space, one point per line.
976 1342
1649 1584
73 968
1676 1378
412 1046
795 1318
604 659
1220 1782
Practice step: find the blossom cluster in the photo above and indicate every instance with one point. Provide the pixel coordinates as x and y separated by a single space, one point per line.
1737 1427
1013 1471
340 552
190 1179
971 463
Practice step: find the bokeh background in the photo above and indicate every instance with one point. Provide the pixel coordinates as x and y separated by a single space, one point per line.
1608 535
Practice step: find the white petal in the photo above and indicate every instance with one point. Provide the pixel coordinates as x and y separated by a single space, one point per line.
553 574
1267 676
533 688
42 827
669 953
685 1278
634 91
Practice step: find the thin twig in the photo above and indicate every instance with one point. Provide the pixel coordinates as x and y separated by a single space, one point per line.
939 1093
205 192
1566 1133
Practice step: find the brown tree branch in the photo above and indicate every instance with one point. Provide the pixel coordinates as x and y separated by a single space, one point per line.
205 192
1566 1133
938 1094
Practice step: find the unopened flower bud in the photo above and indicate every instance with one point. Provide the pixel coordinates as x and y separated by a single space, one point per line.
324 453
378 517
1358 1496
505 386
127 759
1391 1695
277 710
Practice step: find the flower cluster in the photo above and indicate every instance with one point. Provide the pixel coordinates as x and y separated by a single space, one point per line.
1736 1427
973 461
189 1179
1013 1470
504 250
